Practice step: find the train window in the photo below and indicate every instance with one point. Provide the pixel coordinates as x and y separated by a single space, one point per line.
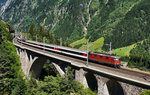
95 55
89 54
101 56
107 57
116 59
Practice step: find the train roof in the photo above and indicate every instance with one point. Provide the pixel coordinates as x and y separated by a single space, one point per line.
60 47
107 54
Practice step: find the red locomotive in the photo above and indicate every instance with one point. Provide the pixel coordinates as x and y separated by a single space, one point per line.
105 59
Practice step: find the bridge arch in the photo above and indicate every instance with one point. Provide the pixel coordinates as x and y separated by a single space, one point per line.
37 66
91 81
113 87
38 71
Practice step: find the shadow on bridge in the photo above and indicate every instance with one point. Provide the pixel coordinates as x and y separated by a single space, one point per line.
91 81
45 66
112 87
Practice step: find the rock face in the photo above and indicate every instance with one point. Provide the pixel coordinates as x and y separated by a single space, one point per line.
4 7
2 2
75 19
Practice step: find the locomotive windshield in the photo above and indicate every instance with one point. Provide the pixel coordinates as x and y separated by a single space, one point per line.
116 59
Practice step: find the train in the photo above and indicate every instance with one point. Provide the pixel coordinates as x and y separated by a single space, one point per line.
98 58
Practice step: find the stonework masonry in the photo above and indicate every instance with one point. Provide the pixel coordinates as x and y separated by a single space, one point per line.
101 82
80 76
127 89
26 62
131 89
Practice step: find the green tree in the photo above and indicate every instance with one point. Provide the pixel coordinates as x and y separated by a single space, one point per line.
140 56
9 67
32 30
11 77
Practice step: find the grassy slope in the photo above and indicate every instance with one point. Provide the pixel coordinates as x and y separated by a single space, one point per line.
124 51
78 42
93 46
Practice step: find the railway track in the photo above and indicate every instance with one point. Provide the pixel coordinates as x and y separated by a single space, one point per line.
144 75
134 73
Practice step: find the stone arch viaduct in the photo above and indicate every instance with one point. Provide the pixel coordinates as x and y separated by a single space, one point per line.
102 79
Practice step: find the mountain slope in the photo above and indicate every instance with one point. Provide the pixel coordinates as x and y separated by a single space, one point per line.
3 6
123 22
134 27
2 2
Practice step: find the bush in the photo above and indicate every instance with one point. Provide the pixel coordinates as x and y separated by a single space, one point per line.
146 93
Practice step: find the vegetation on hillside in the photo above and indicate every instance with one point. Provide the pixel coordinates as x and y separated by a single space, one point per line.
124 51
79 43
140 56
43 35
11 79
146 93
60 86
94 46
4 31
133 28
